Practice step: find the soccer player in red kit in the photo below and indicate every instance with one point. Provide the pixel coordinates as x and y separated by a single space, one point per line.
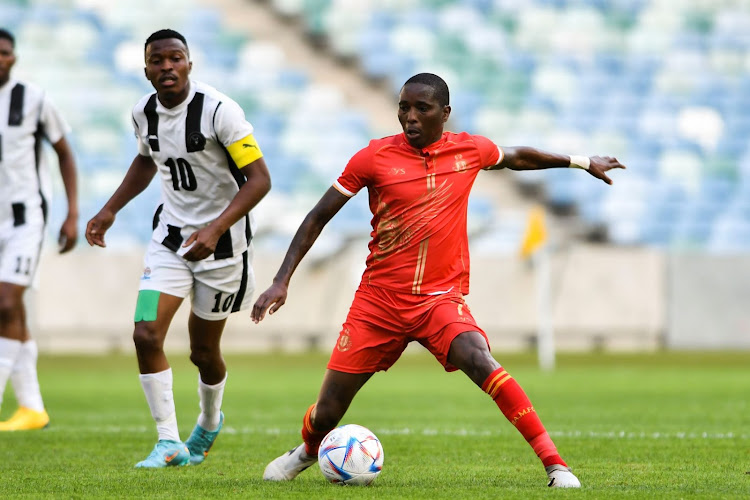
417 270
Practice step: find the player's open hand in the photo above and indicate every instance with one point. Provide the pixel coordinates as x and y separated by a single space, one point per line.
68 234
203 243
97 226
599 165
274 297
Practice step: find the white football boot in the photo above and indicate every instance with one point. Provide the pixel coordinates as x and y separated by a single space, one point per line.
289 465
561 477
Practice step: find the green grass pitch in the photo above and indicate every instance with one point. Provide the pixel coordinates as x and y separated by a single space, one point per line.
668 425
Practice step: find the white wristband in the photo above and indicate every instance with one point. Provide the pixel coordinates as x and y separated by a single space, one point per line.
579 162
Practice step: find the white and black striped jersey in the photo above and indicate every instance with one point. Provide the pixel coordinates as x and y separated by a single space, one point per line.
27 116
191 145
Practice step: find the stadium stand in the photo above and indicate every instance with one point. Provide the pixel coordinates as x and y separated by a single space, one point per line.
662 85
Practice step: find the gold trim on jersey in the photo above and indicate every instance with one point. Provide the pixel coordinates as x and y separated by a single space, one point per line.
245 151
416 287
430 182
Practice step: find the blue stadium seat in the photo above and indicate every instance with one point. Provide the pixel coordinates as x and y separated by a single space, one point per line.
627 95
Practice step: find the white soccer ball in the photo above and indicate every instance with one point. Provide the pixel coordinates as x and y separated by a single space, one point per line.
350 454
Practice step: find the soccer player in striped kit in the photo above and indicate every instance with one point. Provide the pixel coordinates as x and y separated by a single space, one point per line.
418 268
27 117
212 174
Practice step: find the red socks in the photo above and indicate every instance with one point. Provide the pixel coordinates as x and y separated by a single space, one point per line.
311 436
516 407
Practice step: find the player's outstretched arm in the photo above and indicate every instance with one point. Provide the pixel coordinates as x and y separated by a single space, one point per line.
275 296
69 230
257 186
138 177
526 158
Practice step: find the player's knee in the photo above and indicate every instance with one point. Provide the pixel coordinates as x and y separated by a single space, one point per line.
10 311
146 338
473 358
202 357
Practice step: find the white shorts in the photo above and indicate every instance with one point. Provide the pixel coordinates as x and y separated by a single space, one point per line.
20 247
217 287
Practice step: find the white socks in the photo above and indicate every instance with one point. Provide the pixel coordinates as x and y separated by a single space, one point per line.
24 377
9 350
158 390
210 401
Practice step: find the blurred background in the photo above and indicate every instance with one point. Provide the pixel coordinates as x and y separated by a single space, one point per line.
659 260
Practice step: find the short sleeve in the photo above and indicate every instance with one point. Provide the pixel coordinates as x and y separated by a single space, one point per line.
143 148
55 126
489 153
356 175
230 123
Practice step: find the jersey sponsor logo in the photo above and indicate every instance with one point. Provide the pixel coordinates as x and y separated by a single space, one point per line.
146 274
345 341
197 141
245 145
397 171
461 165
15 117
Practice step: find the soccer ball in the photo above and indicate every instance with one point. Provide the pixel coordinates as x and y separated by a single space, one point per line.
350 454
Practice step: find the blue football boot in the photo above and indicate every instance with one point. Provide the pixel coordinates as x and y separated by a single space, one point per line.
200 441
166 453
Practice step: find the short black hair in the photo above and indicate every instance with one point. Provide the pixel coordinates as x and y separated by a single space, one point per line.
165 34
438 85
7 35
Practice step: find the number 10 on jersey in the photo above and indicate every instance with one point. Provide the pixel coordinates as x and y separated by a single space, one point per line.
182 174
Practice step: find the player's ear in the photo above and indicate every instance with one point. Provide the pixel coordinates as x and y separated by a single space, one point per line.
446 113
190 66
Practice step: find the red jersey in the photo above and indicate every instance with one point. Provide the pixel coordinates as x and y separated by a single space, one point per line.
419 202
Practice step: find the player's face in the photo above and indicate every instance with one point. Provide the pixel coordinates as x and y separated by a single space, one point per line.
421 115
168 68
7 60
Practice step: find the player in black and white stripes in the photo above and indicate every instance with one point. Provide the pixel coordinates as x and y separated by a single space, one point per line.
212 174
27 117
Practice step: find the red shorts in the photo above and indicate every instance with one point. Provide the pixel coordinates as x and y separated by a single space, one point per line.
381 323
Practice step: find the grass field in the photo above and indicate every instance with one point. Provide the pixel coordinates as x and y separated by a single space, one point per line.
632 426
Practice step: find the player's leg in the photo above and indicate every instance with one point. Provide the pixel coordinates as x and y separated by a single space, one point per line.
18 352
452 335
370 340
469 351
336 394
156 311
12 329
165 282
205 353
218 292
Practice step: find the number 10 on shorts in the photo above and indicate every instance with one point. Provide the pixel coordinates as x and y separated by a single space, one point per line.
222 305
